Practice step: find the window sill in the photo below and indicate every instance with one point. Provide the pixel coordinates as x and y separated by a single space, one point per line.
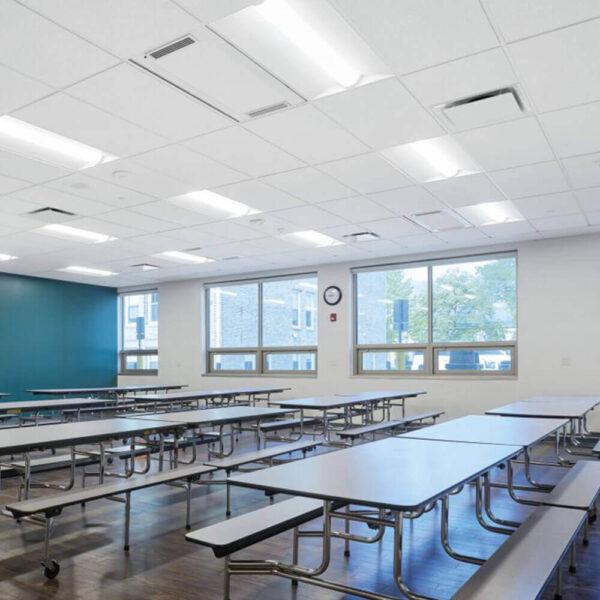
265 375
457 377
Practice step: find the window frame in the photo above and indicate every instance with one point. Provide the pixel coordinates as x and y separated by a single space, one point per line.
431 349
260 351
123 318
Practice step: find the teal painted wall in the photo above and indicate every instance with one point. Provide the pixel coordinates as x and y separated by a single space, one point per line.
55 334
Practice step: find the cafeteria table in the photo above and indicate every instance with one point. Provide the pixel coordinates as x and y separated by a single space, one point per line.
388 396
119 390
402 475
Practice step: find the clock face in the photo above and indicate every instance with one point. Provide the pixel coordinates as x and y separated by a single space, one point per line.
332 295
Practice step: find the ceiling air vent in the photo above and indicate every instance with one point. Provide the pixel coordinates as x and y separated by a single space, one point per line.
51 214
144 267
172 47
259 112
490 107
439 220
362 236
231 258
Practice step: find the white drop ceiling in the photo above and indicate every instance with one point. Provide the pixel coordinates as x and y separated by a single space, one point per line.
319 164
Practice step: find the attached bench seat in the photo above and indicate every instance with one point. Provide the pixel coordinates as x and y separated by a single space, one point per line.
522 567
578 489
596 449
52 506
287 424
238 533
233 463
373 428
48 462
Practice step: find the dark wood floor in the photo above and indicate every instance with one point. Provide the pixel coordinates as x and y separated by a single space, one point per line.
161 565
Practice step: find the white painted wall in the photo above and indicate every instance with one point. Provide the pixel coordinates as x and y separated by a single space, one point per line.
558 349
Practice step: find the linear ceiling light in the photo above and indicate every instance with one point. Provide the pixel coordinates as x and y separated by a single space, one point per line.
5 257
211 203
284 18
432 159
34 142
184 257
312 238
87 271
491 213
74 233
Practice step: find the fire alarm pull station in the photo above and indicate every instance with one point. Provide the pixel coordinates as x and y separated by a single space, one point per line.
333 317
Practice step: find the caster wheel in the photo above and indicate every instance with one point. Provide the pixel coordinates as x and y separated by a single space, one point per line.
586 542
188 527
228 513
126 548
572 569
502 466
346 553
109 461
51 569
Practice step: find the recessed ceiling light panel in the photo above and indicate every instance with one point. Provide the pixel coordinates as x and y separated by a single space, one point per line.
184 257
213 205
87 271
67 232
491 213
432 159
34 142
312 239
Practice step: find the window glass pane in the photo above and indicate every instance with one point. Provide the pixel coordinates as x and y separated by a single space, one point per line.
234 362
285 304
139 315
475 301
475 359
291 361
392 360
392 306
141 362
233 314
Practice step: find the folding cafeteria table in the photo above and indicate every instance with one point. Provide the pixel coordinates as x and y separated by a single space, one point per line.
119 390
69 435
402 475
388 396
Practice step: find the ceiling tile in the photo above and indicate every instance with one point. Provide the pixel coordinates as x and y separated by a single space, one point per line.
508 230
114 229
518 19
465 236
169 211
583 171
593 218
381 114
138 221
134 176
193 168
422 243
506 145
231 249
408 200
310 217
16 206
134 95
574 130
37 47
531 180
124 28
259 195
461 78
565 222
309 185
16 90
366 173
356 209
381 247
272 245
465 191
242 150
296 130
211 10
10 184
589 200
19 167
16 223
100 191
549 205
77 120
415 34
228 230
392 228
560 68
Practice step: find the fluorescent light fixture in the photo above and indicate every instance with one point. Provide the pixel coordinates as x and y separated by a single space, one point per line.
284 18
87 271
184 257
34 142
312 238
5 257
211 203
74 233
491 213
432 159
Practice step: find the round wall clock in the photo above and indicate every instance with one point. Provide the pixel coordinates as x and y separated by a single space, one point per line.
332 295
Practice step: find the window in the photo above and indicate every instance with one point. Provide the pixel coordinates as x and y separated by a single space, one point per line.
264 326
451 317
139 333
